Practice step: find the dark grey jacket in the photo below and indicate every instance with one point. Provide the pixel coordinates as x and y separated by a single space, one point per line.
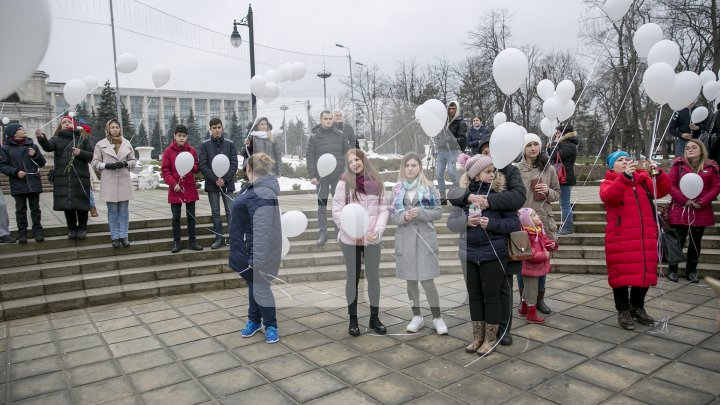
207 152
324 141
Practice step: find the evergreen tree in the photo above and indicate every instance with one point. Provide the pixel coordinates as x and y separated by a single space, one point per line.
194 137
171 129
234 132
156 141
105 111
296 133
140 138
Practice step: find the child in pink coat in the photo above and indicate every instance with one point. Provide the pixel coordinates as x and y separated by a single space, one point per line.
537 266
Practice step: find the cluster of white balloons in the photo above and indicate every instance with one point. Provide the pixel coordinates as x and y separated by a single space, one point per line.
432 116
557 103
128 63
293 223
267 86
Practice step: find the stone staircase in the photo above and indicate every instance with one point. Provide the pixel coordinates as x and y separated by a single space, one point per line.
61 274
47 186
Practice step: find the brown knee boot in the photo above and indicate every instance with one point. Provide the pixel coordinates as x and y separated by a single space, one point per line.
488 345
478 336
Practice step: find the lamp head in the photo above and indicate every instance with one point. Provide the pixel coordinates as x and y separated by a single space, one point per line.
235 38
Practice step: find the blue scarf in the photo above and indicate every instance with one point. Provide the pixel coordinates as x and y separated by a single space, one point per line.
424 196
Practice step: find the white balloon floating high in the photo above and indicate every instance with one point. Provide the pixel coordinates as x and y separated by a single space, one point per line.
551 108
354 220
285 72
658 81
272 90
326 164
685 90
91 82
25 31
665 51
298 71
126 63
220 165
257 85
74 91
160 75
565 90
184 163
510 70
616 9
691 185
567 109
545 89
707 76
506 143
645 37
499 118
271 75
699 114
711 90
432 116
293 223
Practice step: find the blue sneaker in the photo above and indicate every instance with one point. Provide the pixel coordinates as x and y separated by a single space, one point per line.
271 334
250 329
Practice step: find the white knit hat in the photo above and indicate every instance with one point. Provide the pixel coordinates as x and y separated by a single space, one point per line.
532 138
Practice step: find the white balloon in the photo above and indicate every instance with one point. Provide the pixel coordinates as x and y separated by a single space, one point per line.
565 91
436 108
510 70
271 75
685 90
707 76
429 123
91 82
522 130
657 82
257 85
547 126
665 51
74 91
354 220
711 90
5 120
499 118
551 107
160 75
72 114
699 114
298 71
25 31
616 9
293 223
126 63
326 164
545 89
184 163
691 185
220 165
506 143
271 91
285 247
284 72
567 109
645 37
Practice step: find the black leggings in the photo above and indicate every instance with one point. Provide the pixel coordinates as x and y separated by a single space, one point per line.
693 251
636 298
76 219
353 255
484 282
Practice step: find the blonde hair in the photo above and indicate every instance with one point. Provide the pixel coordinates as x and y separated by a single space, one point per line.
369 171
424 182
260 164
703 155
498 185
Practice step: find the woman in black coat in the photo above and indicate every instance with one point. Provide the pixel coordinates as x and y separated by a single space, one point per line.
71 176
564 147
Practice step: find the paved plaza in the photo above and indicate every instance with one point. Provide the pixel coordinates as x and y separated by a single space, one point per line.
187 349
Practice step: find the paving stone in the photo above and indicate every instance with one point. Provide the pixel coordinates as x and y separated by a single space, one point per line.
186 300
713 343
334 332
114 313
285 366
657 346
700 357
472 361
583 345
223 327
567 323
694 299
197 308
683 335
33 352
401 356
491 391
182 336
34 367
552 358
540 333
212 363
31 339
80 343
266 395
588 313
304 340
157 316
121 335
692 377
149 307
18 329
196 349
663 393
93 372
520 345
605 375
75 331
69 321
567 390
605 304
211 317
703 312
694 322
520 374
346 396
144 361
155 378
437 344
311 385
366 343
530 399
38 385
189 392
394 388
118 323
328 354
622 400
170 325
633 360
437 372
612 334
55 398
358 370
434 398
87 356
135 346
319 320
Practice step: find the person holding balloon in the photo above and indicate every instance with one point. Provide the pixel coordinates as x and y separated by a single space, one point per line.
115 158
179 163
256 243
361 213
564 150
631 234
695 181
218 153
415 204
260 140
71 177
685 125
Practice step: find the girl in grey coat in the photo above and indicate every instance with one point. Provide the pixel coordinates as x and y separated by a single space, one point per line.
415 205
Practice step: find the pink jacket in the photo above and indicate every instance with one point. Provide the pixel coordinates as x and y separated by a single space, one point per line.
539 264
377 208
703 216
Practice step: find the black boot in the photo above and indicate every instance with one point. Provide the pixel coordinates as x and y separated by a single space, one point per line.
39 237
193 245
541 306
81 233
176 246
22 236
672 273
691 271
353 329
375 323
322 239
219 242
72 233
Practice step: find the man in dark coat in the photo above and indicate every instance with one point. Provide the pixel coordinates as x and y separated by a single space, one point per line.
346 129
326 139
216 187
683 129
476 133
449 144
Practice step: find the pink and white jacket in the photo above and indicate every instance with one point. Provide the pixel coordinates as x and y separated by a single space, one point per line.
376 206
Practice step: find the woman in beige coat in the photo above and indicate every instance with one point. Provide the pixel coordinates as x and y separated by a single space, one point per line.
540 192
115 157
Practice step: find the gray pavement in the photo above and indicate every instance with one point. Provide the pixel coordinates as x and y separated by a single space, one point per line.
187 349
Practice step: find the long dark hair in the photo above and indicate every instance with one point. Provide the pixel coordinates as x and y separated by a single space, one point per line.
369 172
540 161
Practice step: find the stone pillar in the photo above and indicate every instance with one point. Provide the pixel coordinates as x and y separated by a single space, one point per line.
147 179
370 145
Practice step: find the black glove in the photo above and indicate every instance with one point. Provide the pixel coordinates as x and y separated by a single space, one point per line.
114 166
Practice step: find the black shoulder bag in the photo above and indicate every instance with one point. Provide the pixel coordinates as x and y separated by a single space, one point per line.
672 251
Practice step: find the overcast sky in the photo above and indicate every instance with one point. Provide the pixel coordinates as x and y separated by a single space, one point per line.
377 32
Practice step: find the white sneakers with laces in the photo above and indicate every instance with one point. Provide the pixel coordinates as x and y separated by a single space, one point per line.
415 324
439 326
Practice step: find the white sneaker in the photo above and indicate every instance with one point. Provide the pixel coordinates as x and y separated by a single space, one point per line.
415 324
439 326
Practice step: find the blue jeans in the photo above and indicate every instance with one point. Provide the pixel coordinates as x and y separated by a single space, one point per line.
262 302
4 217
680 146
118 219
566 209
443 160
92 199
541 282
214 198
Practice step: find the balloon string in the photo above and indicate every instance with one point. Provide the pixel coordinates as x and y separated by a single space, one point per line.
396 134
56 117
143 115
663 136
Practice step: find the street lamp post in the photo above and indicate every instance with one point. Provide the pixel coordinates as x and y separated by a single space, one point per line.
324 75
284 108
236 41
352 88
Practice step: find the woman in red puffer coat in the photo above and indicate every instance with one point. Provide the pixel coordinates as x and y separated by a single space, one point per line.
693 215
631 235
181 189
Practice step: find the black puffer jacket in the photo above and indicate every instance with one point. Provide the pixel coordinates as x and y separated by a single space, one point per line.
349 133
567 149
14 158
207 151
71 184
476 138
326 140
680 124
